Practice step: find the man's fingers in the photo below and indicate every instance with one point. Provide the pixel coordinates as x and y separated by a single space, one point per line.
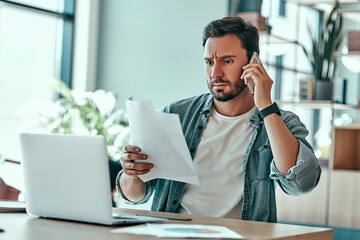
135 172
137 166
133 156
130 148
132 168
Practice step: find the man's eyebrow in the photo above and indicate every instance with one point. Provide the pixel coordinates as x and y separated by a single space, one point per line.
228 56
222 57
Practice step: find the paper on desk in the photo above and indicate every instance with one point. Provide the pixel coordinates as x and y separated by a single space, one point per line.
192 231
138 230
180 231
160 136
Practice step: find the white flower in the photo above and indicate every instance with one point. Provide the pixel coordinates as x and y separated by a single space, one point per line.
122 137
79 97
113 130
77 126
105 101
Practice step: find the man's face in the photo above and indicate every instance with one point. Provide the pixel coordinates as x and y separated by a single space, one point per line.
224 58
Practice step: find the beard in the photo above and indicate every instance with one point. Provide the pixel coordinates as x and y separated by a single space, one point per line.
224 96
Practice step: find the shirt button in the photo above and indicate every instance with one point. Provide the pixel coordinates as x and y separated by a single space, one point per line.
200 127
175 202
192 150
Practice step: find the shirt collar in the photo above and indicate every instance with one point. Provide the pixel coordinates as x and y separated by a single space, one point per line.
208 107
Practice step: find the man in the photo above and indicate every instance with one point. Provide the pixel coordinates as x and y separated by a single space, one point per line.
240 143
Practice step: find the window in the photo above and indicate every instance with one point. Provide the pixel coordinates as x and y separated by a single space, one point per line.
36 44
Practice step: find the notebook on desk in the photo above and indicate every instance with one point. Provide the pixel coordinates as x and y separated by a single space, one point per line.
67 177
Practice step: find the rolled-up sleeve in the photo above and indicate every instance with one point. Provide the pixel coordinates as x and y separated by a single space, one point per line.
305 175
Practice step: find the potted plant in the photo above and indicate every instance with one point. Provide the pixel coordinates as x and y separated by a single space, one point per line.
89 113
321 56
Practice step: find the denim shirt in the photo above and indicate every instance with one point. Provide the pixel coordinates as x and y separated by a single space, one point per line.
260 171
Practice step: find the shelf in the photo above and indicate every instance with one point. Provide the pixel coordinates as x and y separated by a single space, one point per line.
317 104
326 5
266 38
353 54
353 126
312 2
266 63
351 14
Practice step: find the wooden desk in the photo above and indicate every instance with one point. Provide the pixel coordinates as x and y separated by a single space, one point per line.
19 226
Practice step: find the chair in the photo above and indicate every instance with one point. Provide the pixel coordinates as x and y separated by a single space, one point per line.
7 192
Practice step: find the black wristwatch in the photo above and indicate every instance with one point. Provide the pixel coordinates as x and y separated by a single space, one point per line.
273 108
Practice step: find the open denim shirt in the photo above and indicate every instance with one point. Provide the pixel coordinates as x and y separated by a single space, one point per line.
260 171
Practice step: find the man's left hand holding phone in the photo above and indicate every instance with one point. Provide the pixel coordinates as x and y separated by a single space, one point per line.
258 81
251 85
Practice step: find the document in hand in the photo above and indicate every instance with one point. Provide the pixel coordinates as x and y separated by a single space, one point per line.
159 135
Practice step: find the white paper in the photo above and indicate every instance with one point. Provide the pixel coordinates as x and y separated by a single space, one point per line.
138 230
159 135
192 231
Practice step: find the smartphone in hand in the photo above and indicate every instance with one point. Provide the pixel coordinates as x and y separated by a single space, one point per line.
251 84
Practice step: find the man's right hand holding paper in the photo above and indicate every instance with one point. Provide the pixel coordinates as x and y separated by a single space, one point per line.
131 185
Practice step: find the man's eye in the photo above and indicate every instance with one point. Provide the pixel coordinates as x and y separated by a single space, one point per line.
228 61
209 62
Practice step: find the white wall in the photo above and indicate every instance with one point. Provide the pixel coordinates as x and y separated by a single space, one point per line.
152 49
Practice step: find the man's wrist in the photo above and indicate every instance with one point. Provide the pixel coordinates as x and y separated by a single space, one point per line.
273 108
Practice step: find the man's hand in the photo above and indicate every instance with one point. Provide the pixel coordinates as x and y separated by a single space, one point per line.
263 83
284 145
131 161
133 188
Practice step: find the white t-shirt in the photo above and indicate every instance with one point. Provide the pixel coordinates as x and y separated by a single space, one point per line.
219 163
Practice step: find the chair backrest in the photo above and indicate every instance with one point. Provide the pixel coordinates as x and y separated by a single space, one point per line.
7 192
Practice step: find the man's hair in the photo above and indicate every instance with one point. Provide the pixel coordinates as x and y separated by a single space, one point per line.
247 33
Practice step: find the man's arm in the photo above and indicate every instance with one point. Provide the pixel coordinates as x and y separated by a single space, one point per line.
284 145
295 166
132 187
305 175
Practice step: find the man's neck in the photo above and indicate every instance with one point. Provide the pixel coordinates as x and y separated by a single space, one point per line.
241 104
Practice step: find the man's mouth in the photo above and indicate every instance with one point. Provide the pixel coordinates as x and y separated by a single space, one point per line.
219 83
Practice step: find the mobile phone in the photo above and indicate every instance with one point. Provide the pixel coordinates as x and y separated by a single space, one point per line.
251 84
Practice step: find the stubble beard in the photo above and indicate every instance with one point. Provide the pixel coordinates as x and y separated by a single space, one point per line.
221 95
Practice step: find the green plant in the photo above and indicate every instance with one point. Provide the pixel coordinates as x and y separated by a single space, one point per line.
324 45
89 113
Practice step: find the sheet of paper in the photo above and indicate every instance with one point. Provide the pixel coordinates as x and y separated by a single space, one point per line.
192 231
180 231
160 136
138 230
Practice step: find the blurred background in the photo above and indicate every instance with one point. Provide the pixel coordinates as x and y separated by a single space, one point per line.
106 51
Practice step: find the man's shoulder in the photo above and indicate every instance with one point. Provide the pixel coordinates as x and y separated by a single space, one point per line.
188 103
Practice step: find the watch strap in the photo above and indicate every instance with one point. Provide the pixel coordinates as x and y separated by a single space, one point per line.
273 108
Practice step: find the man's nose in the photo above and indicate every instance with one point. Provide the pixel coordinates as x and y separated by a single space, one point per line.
216 71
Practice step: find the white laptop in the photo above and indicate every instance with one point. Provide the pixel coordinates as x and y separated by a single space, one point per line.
67 177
